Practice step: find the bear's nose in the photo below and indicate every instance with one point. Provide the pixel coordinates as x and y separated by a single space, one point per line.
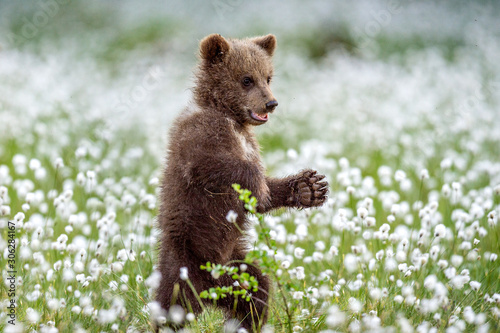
270 106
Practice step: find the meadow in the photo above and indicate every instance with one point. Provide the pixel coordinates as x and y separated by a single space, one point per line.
398 103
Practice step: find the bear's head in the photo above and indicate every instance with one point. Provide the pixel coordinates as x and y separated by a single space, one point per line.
234 77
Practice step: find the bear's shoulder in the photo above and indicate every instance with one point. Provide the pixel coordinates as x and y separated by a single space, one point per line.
197 129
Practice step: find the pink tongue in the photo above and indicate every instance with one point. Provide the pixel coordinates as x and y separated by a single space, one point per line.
264 117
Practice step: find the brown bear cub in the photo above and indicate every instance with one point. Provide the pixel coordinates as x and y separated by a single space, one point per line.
212 146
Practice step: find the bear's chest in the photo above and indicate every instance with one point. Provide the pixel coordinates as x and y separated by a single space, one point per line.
248 148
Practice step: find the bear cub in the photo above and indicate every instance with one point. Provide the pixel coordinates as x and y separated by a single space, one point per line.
211 147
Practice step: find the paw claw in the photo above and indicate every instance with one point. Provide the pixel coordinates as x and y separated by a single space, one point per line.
316 186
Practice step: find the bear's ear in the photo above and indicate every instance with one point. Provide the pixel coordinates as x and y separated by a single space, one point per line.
268 43
213 47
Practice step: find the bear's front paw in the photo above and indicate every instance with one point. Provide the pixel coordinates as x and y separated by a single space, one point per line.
308 189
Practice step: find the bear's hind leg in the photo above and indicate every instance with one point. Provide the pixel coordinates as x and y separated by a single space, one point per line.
251 315
175 291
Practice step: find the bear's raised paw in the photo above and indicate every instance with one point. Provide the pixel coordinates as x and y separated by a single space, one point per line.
308 189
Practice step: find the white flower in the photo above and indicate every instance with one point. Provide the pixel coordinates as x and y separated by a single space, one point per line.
375 294
80 179
442 264
350 190
333 250
450 272
475 285
80 278
131 255
4 210
400 175
113 285
355 305
231 216
350 262
57 265
154 181
458 281
335 317
384 228
344 163
456 260
430 282
299 271
19 217
299 252
58 163
3 192
370 221
106 316
301 231
446 163
390 265
117 267
183 273
53 304
317 256
497 189
319 246
128 200
176 314
292 154
362 212
153 281
439 231
34 164
469 315
32 316
122 255
91 175
446 190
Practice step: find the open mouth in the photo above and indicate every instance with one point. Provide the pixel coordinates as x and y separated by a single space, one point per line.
258 117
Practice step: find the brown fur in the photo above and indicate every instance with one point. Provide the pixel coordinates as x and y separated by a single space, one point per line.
212 146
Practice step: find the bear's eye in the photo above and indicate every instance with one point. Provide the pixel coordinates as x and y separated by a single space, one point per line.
268 79
247 81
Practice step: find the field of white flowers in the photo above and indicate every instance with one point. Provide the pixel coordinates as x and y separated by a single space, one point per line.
397 102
